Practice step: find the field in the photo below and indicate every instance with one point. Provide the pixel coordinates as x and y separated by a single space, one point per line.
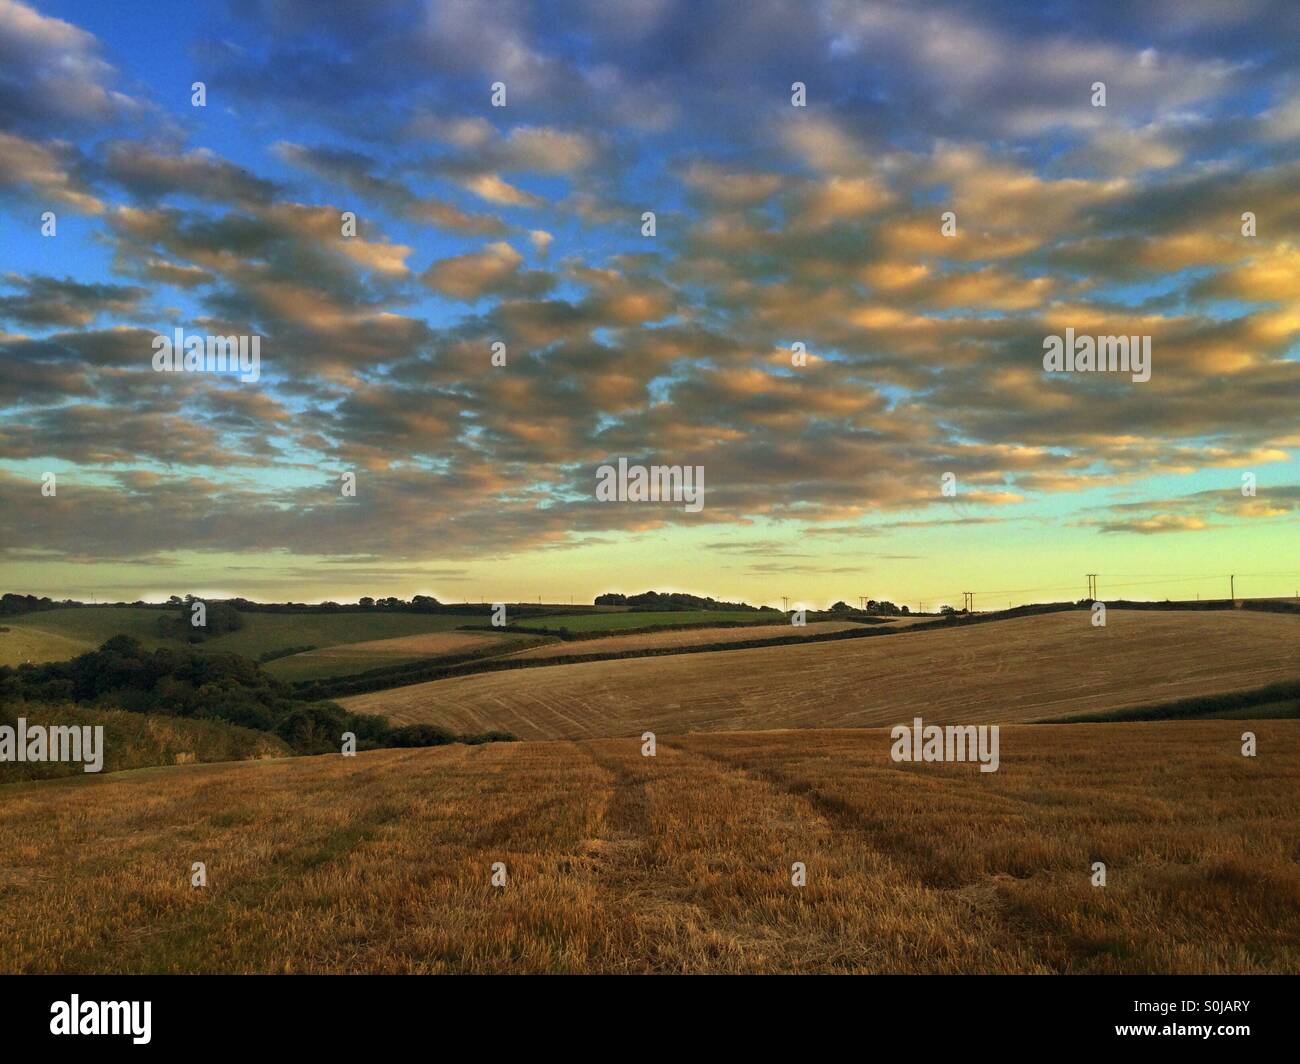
67 632
677 863
22 643
56 635
680 638
1022 669
348 658
613 622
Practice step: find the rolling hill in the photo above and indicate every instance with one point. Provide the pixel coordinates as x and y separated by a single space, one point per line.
1020 669
53 633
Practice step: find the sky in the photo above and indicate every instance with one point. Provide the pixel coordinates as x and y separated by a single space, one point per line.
918 194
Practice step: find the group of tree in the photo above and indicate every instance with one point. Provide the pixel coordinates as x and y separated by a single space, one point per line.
673 600
11 603
884 608
184 682
194 626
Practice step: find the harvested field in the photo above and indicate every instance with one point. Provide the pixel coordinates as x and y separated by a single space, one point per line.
1021 669
687 637
677 863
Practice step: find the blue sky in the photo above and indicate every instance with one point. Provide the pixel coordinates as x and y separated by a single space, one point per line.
522 225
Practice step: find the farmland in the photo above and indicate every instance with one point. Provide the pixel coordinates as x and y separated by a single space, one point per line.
1021 669
614 622
348 658
677 863
87 627
20 643
681 638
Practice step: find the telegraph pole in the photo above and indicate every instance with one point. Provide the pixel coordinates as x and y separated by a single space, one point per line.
1232 587
1092 586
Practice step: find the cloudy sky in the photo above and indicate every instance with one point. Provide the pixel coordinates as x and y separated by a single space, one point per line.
775 224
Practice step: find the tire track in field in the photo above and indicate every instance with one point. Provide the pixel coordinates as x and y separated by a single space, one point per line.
973 914
143 949
978 896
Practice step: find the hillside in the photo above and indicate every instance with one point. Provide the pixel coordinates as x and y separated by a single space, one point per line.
1020 669
78 629
345 659
678 863
139 740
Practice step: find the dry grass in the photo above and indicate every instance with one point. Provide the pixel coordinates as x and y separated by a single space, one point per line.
620 863
685 637
1006 671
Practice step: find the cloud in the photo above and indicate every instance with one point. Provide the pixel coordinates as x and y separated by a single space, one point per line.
52 75
496 270
48 173
48 301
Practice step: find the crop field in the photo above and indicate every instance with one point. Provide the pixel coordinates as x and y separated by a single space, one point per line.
682 862
348 658
681 638
1022 669
613 622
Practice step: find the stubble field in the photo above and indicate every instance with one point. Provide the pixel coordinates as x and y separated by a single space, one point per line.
1023 669
678 863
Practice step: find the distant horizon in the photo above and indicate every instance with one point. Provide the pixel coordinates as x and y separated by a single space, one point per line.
576 602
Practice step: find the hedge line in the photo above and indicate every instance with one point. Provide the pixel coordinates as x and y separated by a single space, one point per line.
442 668
1196 706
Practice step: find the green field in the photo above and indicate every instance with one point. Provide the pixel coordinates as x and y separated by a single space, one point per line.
20 643
56 635
617 622
348 659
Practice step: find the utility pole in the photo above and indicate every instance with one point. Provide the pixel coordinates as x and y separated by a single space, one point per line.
785 603
1092 587
1232 587
968 601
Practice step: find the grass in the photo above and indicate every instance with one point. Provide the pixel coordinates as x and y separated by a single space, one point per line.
678 863
21 643
70 632
138 740
348 659
614 622
74 631
1022 669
